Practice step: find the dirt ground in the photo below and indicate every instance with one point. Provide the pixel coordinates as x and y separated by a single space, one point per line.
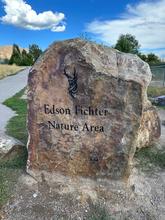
142 197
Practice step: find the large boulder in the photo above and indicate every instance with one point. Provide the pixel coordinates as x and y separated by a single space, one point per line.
87 109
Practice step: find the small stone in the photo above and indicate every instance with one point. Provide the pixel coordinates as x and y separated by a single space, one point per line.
35 195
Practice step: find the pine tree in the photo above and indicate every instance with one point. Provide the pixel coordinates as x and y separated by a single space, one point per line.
16 56
26 59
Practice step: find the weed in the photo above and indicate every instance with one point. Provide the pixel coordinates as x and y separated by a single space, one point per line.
150 157
98 212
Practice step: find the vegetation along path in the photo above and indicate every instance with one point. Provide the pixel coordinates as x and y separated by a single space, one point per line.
8 87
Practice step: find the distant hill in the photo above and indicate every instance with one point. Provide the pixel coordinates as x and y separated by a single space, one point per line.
6 52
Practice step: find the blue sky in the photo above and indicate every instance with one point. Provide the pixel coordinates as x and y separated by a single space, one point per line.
42 22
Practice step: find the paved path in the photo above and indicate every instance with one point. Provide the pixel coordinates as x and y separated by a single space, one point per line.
8 87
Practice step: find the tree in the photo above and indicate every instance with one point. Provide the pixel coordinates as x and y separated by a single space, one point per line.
16 56
34 52
150 58
128 44
26 59
143 56
153 59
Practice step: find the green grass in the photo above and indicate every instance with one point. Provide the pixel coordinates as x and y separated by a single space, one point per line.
161 107
155 91
10 170
13 165
8 178
16 126
17 160
150 157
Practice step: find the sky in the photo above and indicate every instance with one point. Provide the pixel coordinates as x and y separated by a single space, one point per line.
43 22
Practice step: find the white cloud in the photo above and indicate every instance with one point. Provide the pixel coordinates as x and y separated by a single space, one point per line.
21 14
145 20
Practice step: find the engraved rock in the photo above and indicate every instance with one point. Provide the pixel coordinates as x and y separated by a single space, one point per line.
88 109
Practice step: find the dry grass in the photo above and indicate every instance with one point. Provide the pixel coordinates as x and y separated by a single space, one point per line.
6 70
155 91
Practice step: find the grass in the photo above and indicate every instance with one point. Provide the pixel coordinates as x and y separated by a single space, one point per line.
17 159
150 157
12 167
98 212
6 70
10 170
155 91
8 178
16 126
161 107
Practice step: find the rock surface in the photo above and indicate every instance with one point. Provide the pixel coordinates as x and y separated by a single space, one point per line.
150 128
7 145
88 108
